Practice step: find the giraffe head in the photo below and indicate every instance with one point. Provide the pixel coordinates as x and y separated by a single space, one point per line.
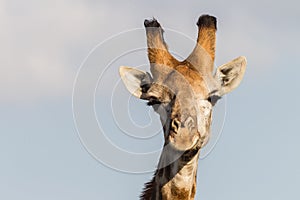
183 93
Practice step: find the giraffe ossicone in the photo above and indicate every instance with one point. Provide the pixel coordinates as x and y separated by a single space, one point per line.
183 93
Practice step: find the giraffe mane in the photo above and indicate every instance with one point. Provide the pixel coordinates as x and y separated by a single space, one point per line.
147 193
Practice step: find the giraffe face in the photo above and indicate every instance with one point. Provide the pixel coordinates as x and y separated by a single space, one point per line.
184 98
183 93
183 102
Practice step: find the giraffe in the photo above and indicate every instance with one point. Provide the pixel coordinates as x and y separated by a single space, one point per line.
183 93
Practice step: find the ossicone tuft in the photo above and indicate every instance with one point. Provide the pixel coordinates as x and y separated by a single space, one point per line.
207 21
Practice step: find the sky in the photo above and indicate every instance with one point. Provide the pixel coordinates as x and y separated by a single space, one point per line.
60 93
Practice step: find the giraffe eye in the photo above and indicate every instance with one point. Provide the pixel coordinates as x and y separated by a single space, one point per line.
213 99
153 101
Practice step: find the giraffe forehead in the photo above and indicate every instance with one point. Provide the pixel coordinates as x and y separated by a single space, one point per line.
187 82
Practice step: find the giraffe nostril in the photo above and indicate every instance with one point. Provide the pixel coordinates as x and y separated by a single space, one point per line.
189 123
175 125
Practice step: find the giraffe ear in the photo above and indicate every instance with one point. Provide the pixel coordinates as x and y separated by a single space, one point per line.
135 80
230 75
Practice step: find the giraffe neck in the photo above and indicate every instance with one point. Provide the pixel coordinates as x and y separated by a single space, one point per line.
176 181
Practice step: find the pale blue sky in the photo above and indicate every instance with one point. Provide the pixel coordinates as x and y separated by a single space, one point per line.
43 44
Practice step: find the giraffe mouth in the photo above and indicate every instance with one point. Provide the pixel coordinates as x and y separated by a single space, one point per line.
184 141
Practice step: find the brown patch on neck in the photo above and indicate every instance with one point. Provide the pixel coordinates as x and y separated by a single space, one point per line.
179 194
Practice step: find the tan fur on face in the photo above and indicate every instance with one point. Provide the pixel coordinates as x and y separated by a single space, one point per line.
194 79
